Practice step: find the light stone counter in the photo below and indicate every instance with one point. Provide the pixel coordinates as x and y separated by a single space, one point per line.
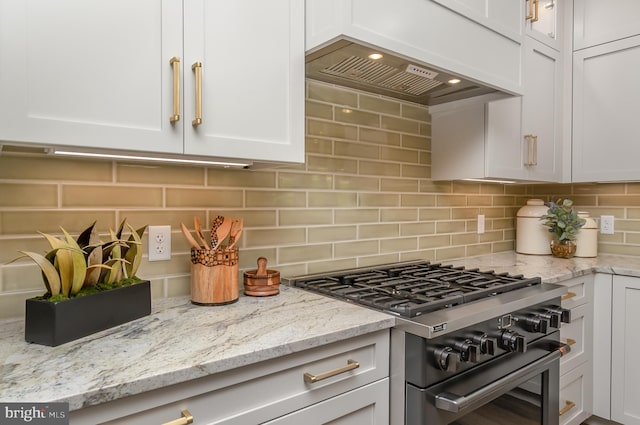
552 269
176 343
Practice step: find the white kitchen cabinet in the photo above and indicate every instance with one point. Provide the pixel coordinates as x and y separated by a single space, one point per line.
459 36
616 342
89 73
274 390
576 367
543 21
597 22
575 395
96 74
512 138
625 346
367 405
605 111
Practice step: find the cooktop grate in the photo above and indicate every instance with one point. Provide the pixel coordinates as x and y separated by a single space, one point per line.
412 289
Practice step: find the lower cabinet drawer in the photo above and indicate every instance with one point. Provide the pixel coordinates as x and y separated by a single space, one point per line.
580 291
575 395
255 393
368 405
576 334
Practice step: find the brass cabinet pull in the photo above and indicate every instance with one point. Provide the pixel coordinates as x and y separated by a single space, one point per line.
530 15
175 63
351 364
186 419
568 406
571 341
535 14
197 68
568 295
532 149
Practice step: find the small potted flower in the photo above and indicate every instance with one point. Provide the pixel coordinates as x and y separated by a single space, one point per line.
563 223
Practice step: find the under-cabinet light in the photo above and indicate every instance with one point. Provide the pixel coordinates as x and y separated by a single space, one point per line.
490 181
152 158
454 81
375 56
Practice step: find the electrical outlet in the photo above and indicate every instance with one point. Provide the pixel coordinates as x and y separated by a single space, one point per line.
480 223
606 224
159 243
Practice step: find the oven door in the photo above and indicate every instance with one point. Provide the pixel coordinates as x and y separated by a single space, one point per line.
520 389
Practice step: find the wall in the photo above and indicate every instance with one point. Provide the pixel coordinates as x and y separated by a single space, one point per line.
363 197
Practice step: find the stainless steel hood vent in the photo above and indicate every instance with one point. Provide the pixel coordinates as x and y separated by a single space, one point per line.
347 64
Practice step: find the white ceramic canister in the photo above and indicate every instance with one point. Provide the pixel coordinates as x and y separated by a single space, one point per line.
587 237
532 236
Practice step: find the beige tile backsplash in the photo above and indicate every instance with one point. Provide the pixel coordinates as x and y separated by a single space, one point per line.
363 197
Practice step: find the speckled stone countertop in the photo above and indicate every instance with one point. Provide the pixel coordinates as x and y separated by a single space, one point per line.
179 341
552 269
176 343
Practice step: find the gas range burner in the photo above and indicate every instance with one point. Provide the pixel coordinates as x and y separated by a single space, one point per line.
414 288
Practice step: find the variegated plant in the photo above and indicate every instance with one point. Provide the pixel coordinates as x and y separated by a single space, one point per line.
85 262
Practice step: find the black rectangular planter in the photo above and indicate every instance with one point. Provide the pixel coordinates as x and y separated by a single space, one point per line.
54 323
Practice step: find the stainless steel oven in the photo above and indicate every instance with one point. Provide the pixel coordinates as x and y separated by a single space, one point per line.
469 346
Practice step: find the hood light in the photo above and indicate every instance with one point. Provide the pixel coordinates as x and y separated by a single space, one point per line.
375 56
153 159
453 81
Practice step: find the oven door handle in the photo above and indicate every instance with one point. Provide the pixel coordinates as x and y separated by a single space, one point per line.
459 403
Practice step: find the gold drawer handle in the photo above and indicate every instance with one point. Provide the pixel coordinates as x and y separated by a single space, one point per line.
568 406
186 419
175 64
571 341
568 295
351 364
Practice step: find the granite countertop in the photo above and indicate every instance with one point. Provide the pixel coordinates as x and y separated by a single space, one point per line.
176 343
180 341
552 269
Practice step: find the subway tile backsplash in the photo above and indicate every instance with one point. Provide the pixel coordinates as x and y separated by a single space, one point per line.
364 196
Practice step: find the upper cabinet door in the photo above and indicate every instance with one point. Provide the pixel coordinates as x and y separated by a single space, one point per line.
252 79
542 21
501 15
541 112
90 73
605 112
597 22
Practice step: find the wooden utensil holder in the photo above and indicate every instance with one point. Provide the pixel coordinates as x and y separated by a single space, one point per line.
214 276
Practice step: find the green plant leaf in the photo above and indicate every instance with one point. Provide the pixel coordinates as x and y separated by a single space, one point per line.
79 263
52 279
134 253
94 260
63 262
84 239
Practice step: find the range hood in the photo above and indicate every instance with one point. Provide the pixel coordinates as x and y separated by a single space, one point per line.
349 64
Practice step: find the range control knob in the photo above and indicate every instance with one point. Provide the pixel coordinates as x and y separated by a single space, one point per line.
447 359
485 342
467 349
553 318
565 315
512 341
536 323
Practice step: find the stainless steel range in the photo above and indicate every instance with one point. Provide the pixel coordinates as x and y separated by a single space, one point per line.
467 343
